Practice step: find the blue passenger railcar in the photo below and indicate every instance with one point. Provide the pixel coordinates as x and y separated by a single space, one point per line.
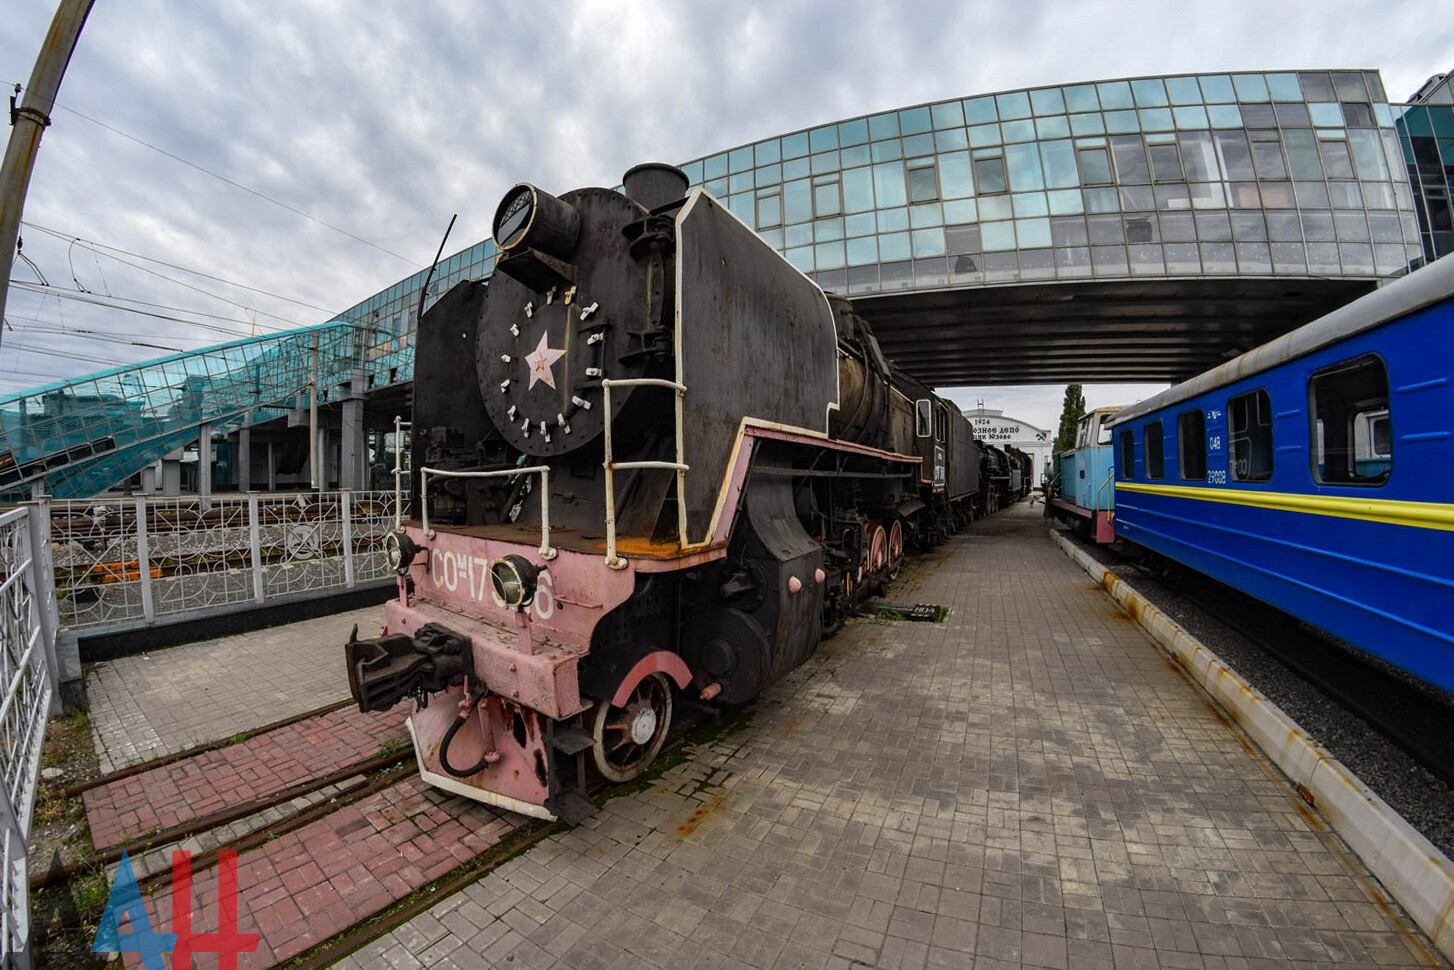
1313 473
1082 490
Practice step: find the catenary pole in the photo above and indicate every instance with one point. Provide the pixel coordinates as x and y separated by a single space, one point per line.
28 121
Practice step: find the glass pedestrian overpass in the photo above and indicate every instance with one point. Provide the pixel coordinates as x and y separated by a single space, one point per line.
83 436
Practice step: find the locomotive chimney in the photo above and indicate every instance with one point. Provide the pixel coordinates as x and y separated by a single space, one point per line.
655 184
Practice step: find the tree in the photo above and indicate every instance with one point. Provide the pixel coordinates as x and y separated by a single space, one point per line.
1070 414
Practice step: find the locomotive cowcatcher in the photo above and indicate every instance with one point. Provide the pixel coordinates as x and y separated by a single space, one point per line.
652 457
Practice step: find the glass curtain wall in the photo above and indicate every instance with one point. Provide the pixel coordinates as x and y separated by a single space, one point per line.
1284 173
1427 133
1297 173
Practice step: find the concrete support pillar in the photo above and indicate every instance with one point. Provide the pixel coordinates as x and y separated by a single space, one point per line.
353 446
272 470
242 459
172 474
320 454
204 461
149 479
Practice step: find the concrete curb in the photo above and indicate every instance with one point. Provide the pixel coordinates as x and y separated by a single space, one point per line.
1415 873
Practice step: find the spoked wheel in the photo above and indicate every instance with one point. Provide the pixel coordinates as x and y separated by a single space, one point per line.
627 739
896 548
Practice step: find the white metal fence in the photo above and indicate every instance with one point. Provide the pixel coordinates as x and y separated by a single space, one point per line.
122 563
28 672
126 562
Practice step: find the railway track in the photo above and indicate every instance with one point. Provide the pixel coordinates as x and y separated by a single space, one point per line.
372 812
1408 714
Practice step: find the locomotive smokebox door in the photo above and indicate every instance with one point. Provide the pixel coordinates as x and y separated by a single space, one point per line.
571 303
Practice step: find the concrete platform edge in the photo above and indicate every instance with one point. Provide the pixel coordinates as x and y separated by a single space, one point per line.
1418 876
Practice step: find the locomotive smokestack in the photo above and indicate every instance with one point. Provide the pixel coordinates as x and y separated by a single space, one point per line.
655 184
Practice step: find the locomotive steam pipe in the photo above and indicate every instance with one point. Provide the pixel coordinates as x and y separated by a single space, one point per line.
466 706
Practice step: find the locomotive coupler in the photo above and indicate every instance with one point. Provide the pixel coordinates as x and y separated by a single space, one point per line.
385 670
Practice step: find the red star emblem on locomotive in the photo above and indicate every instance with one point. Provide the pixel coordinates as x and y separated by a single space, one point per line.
540 360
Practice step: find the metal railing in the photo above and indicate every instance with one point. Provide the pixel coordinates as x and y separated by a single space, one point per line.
402 456
612 559
547 551
1110 479
123 564
28 668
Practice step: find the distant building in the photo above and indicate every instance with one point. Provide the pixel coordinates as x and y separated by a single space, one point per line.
993 427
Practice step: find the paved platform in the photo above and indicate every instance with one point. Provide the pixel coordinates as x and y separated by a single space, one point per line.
1027 784
158 703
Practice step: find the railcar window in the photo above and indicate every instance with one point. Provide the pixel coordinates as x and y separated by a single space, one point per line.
1082 431
941 423
922 418
1191 445
1348 402
1154 454
1103 435
1128 454
1250 447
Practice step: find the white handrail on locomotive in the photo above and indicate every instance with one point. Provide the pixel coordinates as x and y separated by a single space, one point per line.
1110 480
612 560
399 425
546 550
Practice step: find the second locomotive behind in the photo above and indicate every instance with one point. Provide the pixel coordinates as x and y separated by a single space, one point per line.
652 457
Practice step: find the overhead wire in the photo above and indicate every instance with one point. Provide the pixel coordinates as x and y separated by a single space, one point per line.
115 303
94 335
161 262
189 286
237 185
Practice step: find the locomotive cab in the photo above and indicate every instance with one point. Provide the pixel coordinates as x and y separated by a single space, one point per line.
1084 477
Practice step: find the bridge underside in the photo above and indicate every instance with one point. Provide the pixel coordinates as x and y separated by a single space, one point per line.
1125 331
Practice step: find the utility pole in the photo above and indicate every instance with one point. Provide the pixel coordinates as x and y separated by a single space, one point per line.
28 120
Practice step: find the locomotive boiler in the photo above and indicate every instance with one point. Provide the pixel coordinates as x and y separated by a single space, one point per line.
653 458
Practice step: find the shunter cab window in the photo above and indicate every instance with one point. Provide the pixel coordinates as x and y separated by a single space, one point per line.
1128 454
923 418
1082 431
1191 445
1250 445
941 423
1352 434
1154 454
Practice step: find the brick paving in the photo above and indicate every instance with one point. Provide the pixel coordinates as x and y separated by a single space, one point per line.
310 884
217 780
1028 784
168 700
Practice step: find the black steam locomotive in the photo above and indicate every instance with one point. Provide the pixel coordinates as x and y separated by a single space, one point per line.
652 457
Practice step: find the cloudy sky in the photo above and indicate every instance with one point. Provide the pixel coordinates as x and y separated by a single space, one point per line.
248 165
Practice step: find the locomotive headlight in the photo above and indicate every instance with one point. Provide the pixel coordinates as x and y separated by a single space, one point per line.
531 218
399 551
513 579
